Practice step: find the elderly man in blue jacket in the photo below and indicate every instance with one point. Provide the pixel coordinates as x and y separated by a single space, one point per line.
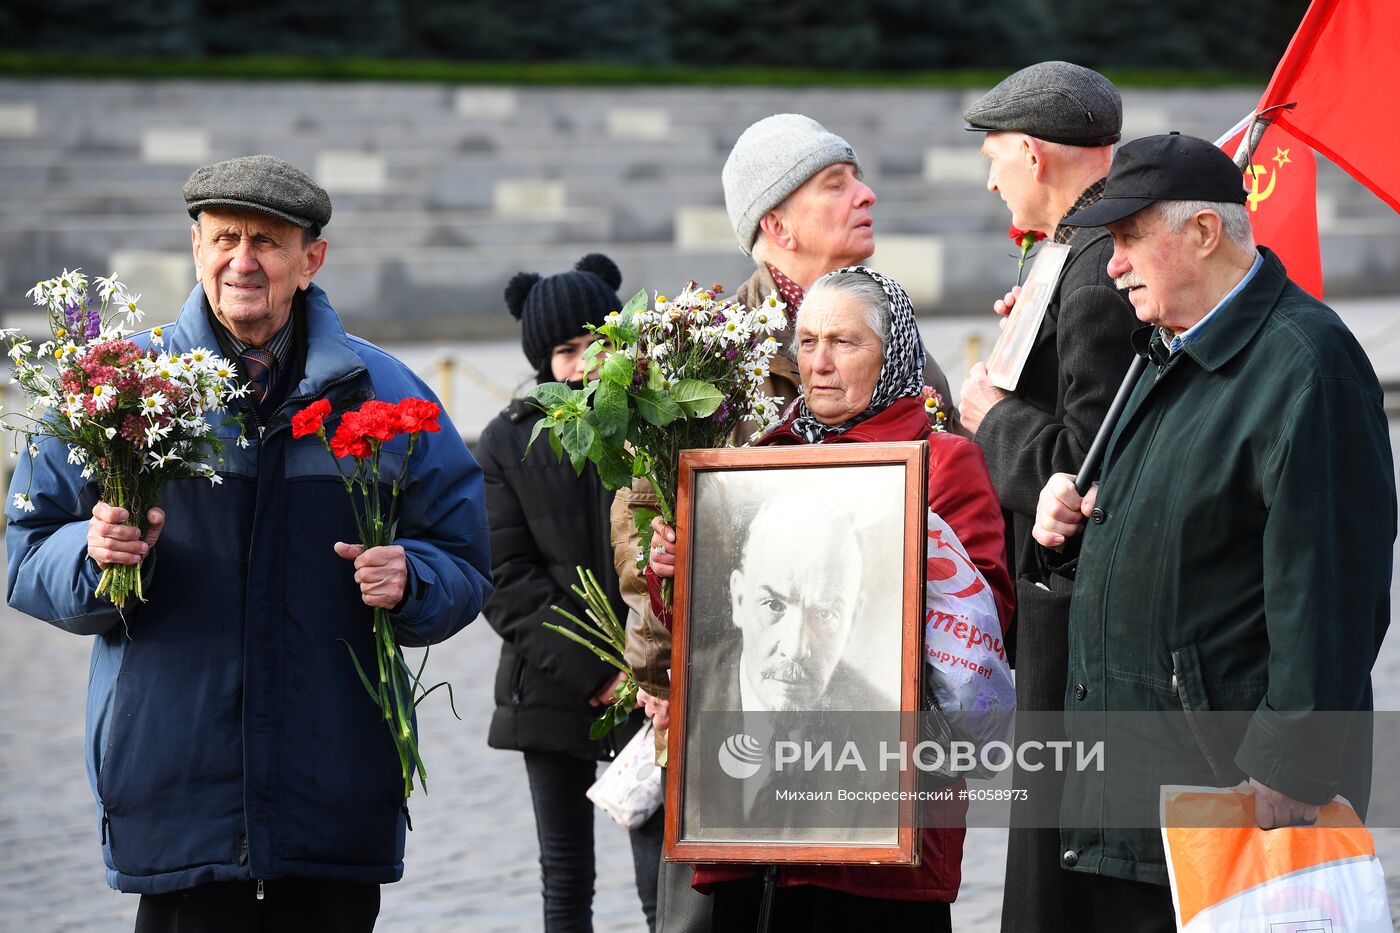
243 779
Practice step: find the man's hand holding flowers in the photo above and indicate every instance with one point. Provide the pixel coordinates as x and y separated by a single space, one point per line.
382 573
110 541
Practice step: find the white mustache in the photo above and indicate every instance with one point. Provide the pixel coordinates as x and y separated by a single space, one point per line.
1128 280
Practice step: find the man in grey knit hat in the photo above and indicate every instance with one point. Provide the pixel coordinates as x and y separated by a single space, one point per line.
1049 134
800 208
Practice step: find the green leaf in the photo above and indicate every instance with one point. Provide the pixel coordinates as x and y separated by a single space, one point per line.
617 370
698 398
591 366
577 436
539 426
364 679
601 726
554 443
552 395
637 302
625 333
613 468
655 380
610 411
655 408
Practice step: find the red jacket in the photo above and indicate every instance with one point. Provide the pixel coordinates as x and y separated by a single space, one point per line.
959 490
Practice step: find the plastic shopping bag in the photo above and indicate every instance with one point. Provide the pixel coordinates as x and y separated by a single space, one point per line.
630 790
969 677
1230 876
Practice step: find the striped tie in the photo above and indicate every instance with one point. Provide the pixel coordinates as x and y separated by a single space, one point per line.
258 364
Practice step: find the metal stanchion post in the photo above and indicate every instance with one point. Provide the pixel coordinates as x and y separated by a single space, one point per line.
447 384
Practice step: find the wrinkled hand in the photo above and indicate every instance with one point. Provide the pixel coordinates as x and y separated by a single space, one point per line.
663 549
658 709
977 397
1060 513
111 542
1004 304
382 572
605 696
1273 809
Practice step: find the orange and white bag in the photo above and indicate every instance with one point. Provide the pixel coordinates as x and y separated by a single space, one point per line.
1230 876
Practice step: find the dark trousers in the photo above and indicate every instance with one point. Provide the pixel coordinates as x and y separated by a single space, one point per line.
564 825
290 905
1130 905
808 909
1040 896
679 907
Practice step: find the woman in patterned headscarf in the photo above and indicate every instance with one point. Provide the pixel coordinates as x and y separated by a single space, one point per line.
861 360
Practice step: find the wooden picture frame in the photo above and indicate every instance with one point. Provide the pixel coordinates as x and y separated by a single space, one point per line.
875 498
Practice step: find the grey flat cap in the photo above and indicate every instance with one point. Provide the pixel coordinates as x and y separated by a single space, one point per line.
259 183
1054 101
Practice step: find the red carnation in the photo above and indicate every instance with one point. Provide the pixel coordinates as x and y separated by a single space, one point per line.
418 414
308 420
1024 238
347 441
379 421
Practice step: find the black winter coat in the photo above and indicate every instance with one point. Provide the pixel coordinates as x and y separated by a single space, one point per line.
1078 360
1077 363
545 522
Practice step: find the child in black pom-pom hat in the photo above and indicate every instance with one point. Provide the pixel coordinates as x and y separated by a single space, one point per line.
553 311
545 521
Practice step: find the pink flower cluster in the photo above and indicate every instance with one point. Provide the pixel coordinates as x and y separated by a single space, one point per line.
111 365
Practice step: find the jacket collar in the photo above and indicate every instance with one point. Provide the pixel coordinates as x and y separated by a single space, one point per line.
329 356
1235 325
904 420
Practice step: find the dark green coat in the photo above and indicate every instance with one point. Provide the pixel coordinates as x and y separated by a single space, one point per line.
1239 558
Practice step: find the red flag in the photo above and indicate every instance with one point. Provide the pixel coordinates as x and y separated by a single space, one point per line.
1281 182
1337 68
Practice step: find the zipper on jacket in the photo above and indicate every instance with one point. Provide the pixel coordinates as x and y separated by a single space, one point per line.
325 389
517 687
105 822
243 850
260 889
1175 688
406 818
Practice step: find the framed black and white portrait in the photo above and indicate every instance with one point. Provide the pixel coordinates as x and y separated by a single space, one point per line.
797 623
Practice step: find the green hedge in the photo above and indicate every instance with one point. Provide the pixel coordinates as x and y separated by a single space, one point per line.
425 39
283 68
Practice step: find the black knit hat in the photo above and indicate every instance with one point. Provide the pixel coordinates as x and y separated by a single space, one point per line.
554 310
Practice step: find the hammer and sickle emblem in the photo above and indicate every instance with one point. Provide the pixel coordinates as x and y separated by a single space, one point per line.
1254 196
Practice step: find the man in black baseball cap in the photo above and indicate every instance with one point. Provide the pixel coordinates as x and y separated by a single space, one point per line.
1236 556
1197 200
1048 133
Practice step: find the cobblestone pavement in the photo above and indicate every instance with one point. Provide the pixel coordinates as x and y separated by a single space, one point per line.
471 863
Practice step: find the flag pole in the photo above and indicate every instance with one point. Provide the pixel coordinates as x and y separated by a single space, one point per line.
1259 123
1089 469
